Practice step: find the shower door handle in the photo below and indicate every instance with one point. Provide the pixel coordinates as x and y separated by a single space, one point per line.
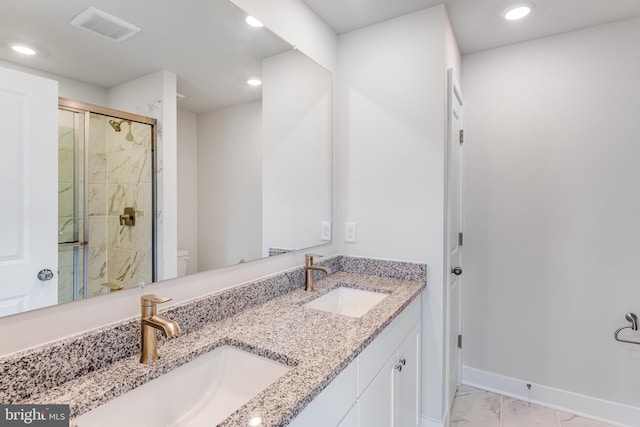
45 274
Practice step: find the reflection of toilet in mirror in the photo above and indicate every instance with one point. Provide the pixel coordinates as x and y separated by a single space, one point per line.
183 262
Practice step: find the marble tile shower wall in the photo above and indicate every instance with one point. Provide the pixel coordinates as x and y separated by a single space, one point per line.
119 176
154 108
97 181
129 184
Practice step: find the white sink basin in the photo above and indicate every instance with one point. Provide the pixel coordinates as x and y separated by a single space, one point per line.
347 301
202 392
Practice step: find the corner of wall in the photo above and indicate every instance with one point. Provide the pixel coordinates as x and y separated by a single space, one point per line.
296 23
453 56
169 148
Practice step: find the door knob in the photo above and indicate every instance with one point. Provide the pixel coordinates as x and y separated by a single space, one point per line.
45 274
456 270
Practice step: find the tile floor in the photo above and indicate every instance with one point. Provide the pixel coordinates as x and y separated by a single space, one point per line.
478 408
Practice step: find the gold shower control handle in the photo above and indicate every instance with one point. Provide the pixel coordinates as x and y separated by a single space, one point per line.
129 217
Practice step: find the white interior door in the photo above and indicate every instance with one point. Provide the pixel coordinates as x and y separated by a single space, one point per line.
29 194
454 239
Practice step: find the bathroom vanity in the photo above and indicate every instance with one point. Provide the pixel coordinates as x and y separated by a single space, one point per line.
364 369
381 387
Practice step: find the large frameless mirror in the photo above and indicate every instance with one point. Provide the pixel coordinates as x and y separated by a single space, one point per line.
253 161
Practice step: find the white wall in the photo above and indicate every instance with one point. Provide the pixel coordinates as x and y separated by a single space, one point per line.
392 99
453 58
188 186
230 197
67 88
552 229
296 154
298 25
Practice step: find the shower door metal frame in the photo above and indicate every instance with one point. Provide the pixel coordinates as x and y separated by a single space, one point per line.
86 110
78 244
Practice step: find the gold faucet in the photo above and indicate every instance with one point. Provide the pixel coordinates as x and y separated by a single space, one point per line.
308 271
150 321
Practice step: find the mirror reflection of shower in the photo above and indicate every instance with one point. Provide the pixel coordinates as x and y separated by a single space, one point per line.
102 172
118 127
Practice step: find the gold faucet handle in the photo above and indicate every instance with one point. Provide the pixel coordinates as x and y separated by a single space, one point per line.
309 258
153 299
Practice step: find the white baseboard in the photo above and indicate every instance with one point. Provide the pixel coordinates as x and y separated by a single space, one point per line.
563 400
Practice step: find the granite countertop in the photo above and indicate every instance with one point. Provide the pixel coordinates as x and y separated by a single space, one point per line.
317 344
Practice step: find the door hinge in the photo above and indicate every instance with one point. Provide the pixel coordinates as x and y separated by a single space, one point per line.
461 136
460 239
459 341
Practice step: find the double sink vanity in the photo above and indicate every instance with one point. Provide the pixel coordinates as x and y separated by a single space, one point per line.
275 355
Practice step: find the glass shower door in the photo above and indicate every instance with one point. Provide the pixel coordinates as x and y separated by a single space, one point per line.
105 209
72 257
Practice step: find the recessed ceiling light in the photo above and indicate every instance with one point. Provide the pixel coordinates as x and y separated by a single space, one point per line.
254 22
518 11
254 82
23 49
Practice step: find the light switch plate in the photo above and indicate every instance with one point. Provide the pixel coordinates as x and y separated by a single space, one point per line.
350 232
325 231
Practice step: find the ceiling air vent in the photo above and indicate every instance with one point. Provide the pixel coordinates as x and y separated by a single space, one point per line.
104 25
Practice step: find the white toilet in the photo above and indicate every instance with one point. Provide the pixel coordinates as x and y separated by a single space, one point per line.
183 262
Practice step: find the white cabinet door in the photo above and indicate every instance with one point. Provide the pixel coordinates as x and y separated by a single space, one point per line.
393 397
408 380
333 403
372 391
376 405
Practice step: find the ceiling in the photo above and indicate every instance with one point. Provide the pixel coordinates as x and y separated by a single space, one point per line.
477 23
207 43
212 51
